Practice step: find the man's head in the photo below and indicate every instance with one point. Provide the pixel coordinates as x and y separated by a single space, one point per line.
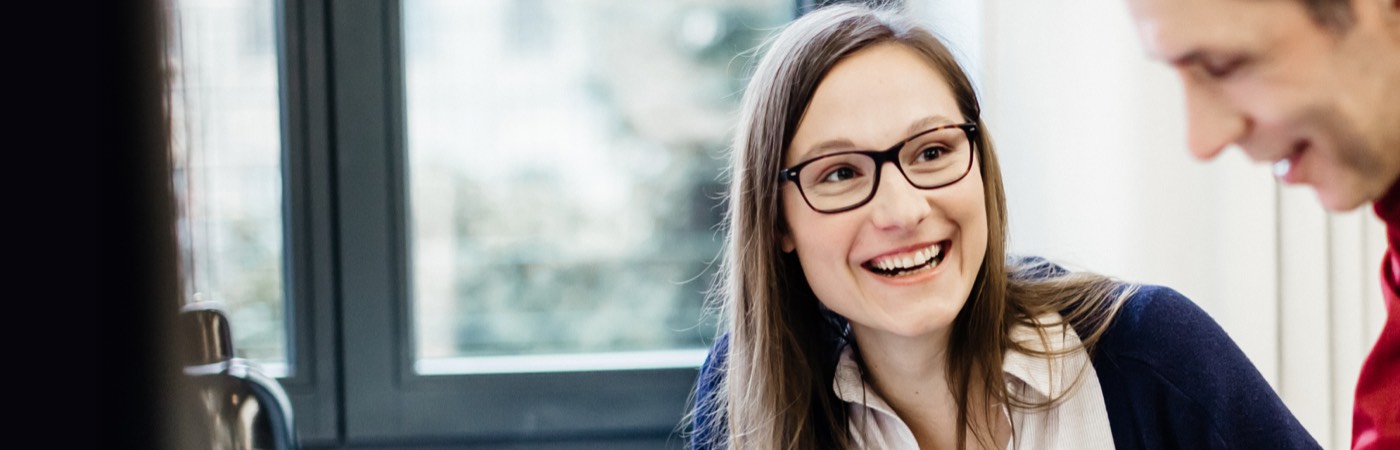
1311 86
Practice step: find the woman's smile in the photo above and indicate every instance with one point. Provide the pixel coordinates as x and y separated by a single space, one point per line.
908 261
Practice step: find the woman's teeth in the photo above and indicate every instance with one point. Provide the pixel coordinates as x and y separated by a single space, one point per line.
906 263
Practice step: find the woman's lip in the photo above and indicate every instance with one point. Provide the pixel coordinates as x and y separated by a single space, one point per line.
902 250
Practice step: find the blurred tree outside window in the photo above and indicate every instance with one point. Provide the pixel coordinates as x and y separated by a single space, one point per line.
563 167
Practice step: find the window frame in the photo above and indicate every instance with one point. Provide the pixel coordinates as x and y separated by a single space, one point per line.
385 401
348 289
309 224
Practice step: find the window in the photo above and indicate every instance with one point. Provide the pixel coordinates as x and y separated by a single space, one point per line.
251 123
228 162
563 165
462 223
525 206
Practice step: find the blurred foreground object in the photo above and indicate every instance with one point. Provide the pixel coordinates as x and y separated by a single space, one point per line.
244 408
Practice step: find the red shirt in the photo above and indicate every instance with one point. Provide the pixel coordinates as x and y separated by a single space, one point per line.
1376 417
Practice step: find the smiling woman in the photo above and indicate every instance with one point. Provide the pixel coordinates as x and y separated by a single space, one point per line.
882 312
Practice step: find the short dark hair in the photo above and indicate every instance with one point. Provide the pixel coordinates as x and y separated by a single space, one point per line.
1335 15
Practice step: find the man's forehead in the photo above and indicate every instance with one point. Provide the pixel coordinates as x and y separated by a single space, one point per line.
1170 28
1174 30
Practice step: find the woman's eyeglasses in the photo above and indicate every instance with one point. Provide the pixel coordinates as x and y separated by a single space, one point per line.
846 180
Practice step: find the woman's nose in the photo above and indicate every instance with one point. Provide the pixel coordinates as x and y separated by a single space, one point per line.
897 204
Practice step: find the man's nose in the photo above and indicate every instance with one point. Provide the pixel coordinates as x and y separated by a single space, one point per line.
1213 123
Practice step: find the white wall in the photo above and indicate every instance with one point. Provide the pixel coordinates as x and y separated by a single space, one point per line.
1091 136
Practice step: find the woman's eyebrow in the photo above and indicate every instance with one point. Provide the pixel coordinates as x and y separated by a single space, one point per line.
827 146
925 123
843 144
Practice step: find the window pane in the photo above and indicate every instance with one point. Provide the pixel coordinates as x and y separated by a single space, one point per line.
228 154
563 163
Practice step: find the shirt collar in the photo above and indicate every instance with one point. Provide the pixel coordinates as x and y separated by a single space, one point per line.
1044 377
850 388
1388 206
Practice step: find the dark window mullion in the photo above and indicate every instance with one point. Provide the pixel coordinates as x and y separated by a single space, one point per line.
308 223
369 291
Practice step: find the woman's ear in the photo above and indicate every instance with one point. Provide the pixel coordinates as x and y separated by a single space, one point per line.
787 244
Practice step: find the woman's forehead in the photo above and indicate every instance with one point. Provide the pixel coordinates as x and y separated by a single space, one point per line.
874 98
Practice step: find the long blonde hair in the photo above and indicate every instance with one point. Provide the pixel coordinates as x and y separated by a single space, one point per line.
775 391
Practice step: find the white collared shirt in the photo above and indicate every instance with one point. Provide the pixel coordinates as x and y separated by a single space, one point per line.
1079 421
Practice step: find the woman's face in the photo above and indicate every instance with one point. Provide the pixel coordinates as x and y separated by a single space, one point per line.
873 99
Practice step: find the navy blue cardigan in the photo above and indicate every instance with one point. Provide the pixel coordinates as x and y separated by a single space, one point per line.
1171 379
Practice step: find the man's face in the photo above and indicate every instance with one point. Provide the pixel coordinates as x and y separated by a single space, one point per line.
1321 104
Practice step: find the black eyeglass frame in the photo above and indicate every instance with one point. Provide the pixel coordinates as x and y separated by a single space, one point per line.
881 157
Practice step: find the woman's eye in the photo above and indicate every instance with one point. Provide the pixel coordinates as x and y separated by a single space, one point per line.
931 153
839 174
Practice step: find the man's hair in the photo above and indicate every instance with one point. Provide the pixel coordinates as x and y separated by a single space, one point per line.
1335 15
